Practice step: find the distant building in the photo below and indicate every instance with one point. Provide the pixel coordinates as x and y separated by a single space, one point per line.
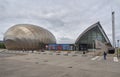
88 40
1 41
27 37
61 47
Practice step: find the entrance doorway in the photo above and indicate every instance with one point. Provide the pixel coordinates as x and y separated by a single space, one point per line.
83 47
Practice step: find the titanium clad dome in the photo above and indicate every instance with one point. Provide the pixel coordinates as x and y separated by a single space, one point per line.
27 36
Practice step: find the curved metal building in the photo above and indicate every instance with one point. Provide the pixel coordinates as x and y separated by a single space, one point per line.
27 37
88 38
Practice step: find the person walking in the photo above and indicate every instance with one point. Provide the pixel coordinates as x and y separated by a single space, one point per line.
104 54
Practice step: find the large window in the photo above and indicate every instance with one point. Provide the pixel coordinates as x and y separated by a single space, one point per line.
90 36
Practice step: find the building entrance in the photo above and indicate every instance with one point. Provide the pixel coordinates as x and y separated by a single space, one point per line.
83 47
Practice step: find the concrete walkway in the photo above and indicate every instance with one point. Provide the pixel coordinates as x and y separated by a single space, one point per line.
49 64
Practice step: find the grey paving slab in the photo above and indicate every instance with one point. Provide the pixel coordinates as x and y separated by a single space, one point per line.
45 65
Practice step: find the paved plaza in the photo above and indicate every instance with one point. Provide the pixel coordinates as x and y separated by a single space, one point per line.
52 64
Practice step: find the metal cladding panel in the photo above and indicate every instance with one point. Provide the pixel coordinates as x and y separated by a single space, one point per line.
27 37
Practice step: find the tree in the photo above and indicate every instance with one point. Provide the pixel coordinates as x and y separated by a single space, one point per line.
2 45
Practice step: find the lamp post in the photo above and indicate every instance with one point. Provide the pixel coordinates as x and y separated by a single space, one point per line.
75 47
93 47
118 49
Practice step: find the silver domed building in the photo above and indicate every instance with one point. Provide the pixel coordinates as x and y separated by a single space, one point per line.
27 37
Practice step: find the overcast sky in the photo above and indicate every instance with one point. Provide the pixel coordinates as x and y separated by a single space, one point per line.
66 19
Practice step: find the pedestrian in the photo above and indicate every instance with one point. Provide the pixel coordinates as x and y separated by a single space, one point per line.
23 50
84 52
104 54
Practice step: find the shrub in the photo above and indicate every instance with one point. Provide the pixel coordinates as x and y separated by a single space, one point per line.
2 45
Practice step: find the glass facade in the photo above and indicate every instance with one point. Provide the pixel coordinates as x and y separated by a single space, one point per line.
87 40
90 36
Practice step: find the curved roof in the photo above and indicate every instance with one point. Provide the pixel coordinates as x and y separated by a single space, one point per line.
91 27
27 36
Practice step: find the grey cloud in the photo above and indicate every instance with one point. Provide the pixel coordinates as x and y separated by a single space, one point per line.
65 19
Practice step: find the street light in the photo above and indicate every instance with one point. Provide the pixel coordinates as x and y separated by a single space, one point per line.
94 46
118 49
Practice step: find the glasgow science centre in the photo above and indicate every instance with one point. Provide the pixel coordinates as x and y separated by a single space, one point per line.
32 37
